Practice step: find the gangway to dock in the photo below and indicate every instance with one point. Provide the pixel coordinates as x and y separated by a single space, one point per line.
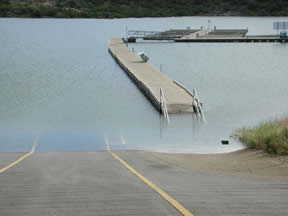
140 34
150 80
171 34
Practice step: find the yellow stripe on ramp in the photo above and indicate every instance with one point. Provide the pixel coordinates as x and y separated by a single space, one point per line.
16 162
35 143
162 193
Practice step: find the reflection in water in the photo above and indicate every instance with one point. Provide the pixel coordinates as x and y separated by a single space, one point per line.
58 82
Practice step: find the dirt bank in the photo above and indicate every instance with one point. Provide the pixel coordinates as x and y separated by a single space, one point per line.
244 162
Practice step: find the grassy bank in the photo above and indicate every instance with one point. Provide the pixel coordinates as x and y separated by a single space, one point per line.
135 8
272 137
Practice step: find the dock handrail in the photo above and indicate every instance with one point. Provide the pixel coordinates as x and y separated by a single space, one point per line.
198 104
180 85
163 105
195 100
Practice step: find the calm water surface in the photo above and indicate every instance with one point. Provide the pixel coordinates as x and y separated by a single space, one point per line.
59 83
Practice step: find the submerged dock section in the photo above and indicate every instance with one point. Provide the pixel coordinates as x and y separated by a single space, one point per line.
153 83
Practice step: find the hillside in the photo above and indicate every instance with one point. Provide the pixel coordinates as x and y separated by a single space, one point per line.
136 8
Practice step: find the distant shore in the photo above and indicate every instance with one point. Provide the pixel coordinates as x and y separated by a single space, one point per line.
133 8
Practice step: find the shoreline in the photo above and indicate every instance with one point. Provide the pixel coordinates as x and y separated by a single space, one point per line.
148 17
242 162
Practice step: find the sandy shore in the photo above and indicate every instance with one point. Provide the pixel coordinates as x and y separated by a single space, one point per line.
244 162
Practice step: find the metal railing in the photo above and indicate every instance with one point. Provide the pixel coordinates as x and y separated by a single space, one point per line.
140 34
163 106
197 105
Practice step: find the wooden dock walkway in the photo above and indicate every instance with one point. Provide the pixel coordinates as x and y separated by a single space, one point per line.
150 80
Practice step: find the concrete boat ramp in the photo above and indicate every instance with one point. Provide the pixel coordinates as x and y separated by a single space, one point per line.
149 79
97 184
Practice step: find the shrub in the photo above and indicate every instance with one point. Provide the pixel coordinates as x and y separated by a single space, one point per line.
272 137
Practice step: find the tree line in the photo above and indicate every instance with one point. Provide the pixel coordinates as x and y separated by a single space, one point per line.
137 8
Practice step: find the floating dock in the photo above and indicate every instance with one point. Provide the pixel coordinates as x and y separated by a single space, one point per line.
150 80
235 40
205 36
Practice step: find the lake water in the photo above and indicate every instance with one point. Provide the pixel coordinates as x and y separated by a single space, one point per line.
59 83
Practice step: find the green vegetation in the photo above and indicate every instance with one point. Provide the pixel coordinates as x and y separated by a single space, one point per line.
136 8
272 137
